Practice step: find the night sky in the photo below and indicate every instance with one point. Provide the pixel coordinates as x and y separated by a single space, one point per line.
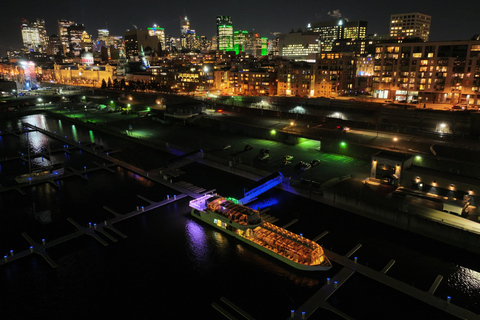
451 20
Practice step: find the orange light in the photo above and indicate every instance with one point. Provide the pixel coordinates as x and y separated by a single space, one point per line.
220 110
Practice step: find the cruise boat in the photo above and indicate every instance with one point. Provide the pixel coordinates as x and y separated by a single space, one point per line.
41 174
245 224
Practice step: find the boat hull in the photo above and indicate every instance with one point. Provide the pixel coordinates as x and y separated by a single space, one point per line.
37 176
209 218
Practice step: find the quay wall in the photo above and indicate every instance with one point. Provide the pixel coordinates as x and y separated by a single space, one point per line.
409 221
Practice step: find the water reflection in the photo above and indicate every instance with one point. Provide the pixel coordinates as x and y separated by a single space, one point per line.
259 205
465 280
92 137
38 120
197 241
74 133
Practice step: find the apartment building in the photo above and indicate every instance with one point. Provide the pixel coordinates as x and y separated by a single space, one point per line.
445 72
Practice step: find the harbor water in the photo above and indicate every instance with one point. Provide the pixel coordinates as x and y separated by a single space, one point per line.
172 266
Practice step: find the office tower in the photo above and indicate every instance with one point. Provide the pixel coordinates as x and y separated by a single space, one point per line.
184 27
75 37
299 46
191 40
410 25
242 41
54 46
63 34
332 30
34 35
225 33
137 39
158 32
355 30
86 44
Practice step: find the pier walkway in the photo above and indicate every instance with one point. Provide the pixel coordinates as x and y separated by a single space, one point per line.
319 299
93 150
93 229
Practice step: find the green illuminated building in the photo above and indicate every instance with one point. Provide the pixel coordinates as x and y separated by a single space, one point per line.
225 33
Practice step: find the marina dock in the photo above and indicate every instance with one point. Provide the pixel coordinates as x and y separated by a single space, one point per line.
95 230
105 230
350 267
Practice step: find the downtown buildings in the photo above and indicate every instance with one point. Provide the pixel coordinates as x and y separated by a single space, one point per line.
328 59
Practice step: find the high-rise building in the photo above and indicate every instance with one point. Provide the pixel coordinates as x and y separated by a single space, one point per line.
75 38
329 31
184 27
86 44
225 33
299 46
34 35
242 41
159 33
137 39
54 46
410 25
63 34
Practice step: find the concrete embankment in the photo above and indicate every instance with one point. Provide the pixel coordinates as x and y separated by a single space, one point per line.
430 223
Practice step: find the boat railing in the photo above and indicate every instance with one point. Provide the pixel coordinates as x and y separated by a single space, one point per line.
199 203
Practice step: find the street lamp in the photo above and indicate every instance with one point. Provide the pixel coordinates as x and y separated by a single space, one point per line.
394 141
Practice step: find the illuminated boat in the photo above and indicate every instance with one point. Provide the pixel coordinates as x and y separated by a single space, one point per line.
246 225
41 174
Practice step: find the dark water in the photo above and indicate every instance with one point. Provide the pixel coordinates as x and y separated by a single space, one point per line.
172 266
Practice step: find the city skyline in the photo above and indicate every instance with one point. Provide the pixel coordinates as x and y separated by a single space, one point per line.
264 18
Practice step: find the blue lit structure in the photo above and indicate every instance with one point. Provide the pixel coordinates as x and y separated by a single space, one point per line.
261 186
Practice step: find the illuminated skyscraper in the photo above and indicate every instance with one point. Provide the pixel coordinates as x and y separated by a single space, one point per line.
75 37
410 25
63 34
225 33
159 33
242 41
34 35
184 27
329 31
299 46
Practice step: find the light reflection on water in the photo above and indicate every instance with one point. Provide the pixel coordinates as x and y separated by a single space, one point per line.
465 280
74 133
37 141
197 242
